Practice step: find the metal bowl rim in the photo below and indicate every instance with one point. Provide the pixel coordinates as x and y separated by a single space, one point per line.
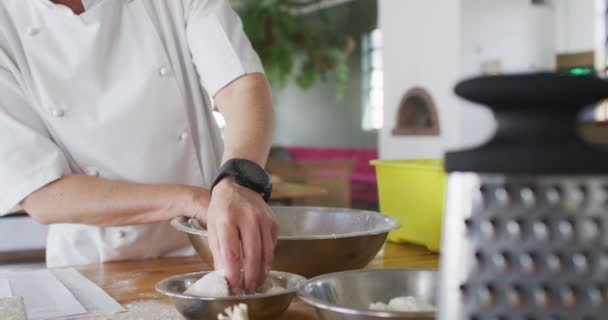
320 304
393 224
160 287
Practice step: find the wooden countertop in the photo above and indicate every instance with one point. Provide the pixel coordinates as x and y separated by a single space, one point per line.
286 190
132 281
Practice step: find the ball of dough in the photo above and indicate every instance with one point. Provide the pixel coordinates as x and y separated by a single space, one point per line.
212 285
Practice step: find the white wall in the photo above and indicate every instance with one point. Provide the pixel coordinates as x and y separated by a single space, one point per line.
436 43
575 25
519 35
315 118
421 48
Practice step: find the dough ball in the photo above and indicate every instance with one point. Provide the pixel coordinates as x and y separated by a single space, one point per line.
212 285
379 306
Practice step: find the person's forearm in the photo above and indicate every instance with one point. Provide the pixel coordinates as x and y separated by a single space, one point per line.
246 105
94 201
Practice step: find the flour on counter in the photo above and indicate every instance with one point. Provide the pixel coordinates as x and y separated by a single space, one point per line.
142 310
12 309
404 304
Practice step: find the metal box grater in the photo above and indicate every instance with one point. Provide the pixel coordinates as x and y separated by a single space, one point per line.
526 224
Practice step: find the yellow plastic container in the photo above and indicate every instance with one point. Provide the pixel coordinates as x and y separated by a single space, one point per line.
413 191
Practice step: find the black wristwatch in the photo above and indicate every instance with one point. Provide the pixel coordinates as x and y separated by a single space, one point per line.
248 174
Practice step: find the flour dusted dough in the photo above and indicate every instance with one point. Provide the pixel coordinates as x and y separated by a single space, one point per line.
212 285
238 312
403 304
12 309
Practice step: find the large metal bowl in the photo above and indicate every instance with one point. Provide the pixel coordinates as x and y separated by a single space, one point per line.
348 295
260 306
314 241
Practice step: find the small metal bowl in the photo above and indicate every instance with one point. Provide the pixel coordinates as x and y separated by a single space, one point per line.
348 295
260 306
314 241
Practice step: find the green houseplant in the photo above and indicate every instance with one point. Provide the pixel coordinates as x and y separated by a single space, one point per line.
295 44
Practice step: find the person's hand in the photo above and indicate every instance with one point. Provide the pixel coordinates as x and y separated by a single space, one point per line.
242 231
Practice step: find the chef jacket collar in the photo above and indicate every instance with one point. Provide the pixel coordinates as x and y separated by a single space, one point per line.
88 4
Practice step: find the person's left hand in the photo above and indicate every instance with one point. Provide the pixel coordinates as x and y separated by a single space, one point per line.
239 221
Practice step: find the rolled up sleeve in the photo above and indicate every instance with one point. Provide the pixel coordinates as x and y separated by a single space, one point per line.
30 159
220 48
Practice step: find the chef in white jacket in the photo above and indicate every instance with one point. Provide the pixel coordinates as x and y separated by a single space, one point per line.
107 131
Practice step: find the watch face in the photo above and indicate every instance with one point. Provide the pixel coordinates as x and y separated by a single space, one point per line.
253 172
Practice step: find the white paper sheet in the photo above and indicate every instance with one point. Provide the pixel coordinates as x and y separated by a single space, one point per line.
5 288
44 296
93 298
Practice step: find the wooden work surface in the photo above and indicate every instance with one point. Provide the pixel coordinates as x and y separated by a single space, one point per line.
287 190
134 280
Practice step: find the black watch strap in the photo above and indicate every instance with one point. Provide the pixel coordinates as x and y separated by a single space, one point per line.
248 174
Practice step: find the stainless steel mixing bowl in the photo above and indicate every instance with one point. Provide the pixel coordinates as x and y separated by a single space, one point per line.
314 241
348 295
261 307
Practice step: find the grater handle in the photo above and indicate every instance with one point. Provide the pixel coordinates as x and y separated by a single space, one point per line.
537 125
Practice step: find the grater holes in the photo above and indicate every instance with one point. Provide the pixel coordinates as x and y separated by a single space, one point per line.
468 223
589 229
464 290
554 262
541 297
605 195
514 295
596 296
540 230
580 261
486 196
566 229
602 264
481 196
502 261
553 195
568 297
527 196
487 295
514 229
502 197
479 260
489 227
527 262
576 197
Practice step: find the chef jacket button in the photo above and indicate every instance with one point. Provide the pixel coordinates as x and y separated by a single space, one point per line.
32 31
122 234
92 171
164 71
59 113
183 137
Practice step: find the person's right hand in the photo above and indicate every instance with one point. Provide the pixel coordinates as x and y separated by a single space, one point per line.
242 231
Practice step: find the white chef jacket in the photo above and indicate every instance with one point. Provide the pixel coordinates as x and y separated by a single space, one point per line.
120 92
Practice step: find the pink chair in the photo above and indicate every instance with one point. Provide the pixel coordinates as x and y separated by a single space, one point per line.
363 178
